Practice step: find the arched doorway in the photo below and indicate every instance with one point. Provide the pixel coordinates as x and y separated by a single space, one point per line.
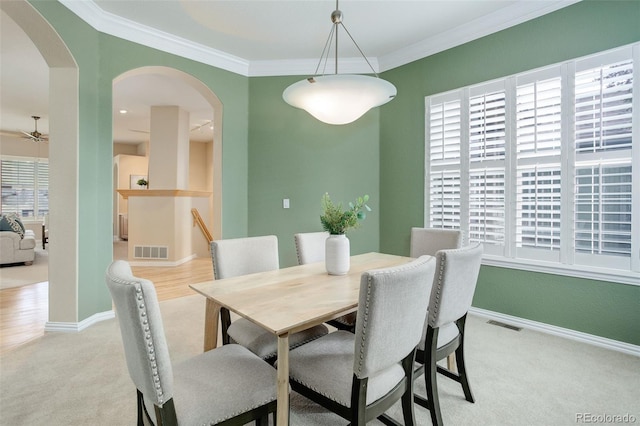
175 81
63 163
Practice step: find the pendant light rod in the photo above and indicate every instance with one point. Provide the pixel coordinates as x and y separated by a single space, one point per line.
336 18
359 50
325 53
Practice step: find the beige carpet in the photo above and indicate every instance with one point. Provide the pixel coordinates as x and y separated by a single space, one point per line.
518 378
21 274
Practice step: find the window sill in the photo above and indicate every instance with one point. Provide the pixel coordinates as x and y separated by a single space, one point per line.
576 271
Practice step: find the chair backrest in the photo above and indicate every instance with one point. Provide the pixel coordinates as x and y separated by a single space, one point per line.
241 256
430 240
145 346
310 246
454 284
391 313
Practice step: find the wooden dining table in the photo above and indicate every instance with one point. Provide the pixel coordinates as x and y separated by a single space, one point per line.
288 300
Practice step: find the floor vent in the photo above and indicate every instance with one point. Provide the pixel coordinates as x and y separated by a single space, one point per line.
501 324
150 252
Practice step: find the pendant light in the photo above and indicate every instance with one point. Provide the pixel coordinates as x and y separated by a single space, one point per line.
339 98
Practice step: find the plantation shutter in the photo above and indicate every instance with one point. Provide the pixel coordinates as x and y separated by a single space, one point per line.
25 187
538 157
604 172
42 176
18 187
603 107
444 156
541 168
487 143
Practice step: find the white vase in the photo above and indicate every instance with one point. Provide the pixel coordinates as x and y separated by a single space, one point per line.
337 254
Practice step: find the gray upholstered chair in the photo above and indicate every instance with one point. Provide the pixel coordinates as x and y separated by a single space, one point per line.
359 376
430 240
242 256
310 248
225 386
451 294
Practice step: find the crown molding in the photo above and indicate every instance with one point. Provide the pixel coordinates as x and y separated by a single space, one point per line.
114 25
505 18
306 67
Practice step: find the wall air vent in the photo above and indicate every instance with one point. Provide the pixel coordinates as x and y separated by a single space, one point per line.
150 252
503 325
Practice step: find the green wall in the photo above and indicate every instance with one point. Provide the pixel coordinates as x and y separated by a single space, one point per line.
293 155
273 151
100 59
610 310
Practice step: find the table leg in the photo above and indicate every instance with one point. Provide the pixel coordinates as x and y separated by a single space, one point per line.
283 380
451 362
211 316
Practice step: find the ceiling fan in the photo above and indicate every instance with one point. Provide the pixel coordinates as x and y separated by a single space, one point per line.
36 136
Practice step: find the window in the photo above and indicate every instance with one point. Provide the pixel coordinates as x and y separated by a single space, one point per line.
539 166
25 187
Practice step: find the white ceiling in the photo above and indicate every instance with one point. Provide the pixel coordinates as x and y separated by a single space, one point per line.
251 38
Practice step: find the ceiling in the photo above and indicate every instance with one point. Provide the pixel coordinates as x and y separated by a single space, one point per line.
252 38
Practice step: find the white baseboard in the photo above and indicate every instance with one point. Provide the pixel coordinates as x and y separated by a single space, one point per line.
163 263
614 345
579 336
74 327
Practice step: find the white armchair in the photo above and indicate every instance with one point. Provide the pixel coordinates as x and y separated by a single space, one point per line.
17 244
14 249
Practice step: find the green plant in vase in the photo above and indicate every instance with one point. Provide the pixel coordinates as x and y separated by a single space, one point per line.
337 221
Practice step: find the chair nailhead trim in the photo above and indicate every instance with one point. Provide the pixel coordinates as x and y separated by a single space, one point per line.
298 252
436 305
365 319
150 346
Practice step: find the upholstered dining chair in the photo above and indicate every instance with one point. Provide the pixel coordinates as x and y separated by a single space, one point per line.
225 386
242 256
359 376
453 287
430 240
310 248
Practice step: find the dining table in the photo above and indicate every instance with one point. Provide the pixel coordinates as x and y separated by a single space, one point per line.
287 300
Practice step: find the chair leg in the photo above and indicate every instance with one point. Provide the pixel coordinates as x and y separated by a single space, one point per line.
225 320
166 415
263 421
433 402
358 401
140 407
407 397
462 370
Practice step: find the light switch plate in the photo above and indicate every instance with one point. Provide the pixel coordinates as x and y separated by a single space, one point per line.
285 203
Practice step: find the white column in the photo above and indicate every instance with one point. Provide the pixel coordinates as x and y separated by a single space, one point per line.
169 148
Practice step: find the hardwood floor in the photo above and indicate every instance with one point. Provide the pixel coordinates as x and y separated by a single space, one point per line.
24 310
23 313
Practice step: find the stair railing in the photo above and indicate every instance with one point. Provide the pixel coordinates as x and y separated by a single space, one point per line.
197 220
